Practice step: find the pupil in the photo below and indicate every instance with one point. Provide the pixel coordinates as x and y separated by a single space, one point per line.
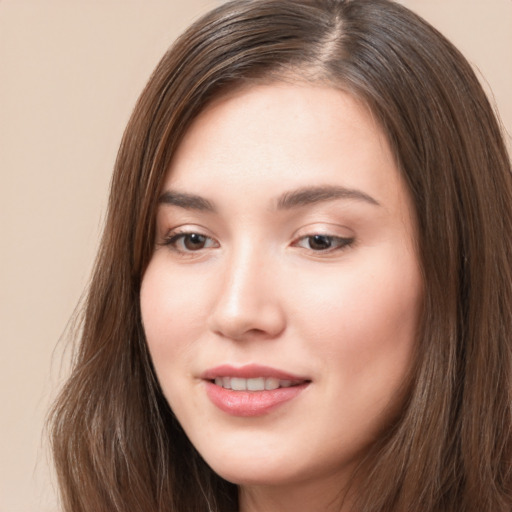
319 242
194 241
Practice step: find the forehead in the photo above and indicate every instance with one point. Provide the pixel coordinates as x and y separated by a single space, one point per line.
281 136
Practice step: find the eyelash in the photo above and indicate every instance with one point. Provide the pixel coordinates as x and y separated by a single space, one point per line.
340 243
173 239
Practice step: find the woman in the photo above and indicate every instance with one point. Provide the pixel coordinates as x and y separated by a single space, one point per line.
302 298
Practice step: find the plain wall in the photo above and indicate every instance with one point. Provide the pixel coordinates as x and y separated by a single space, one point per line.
70 72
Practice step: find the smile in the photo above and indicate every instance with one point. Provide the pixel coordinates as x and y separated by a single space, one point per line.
254 384
251 390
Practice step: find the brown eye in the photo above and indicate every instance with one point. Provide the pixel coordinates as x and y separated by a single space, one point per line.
190 242
323 243
194 241
320 242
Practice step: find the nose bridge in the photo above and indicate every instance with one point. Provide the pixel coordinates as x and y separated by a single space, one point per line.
247 304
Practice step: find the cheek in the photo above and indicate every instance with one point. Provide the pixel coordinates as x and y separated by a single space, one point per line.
376 297
364 322
172 311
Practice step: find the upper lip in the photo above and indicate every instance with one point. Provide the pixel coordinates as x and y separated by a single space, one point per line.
250 371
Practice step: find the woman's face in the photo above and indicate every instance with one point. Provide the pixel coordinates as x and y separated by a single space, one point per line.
285 269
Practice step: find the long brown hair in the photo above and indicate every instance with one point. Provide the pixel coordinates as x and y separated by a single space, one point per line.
116 443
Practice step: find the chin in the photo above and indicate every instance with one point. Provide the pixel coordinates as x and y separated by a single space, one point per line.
259 465
263 473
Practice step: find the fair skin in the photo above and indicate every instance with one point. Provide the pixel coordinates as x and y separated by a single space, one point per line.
285 239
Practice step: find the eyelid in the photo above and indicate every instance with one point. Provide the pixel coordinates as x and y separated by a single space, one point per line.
342 238
339 243
179 233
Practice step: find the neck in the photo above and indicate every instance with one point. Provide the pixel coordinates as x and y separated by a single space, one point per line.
323 495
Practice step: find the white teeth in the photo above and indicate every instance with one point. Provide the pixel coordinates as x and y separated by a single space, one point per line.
253 384
271 383
238 384
256 384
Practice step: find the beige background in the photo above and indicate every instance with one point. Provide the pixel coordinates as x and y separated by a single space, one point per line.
70 72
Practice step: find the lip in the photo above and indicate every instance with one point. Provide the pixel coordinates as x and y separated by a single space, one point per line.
251 403
250 371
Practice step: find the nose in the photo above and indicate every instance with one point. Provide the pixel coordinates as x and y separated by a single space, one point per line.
247 305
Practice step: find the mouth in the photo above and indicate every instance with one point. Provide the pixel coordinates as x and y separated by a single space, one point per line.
251 390
255 383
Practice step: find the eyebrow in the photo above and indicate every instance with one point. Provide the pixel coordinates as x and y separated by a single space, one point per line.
187 201
289 200
311 195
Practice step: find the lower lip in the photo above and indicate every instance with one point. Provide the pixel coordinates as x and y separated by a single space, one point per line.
251 403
